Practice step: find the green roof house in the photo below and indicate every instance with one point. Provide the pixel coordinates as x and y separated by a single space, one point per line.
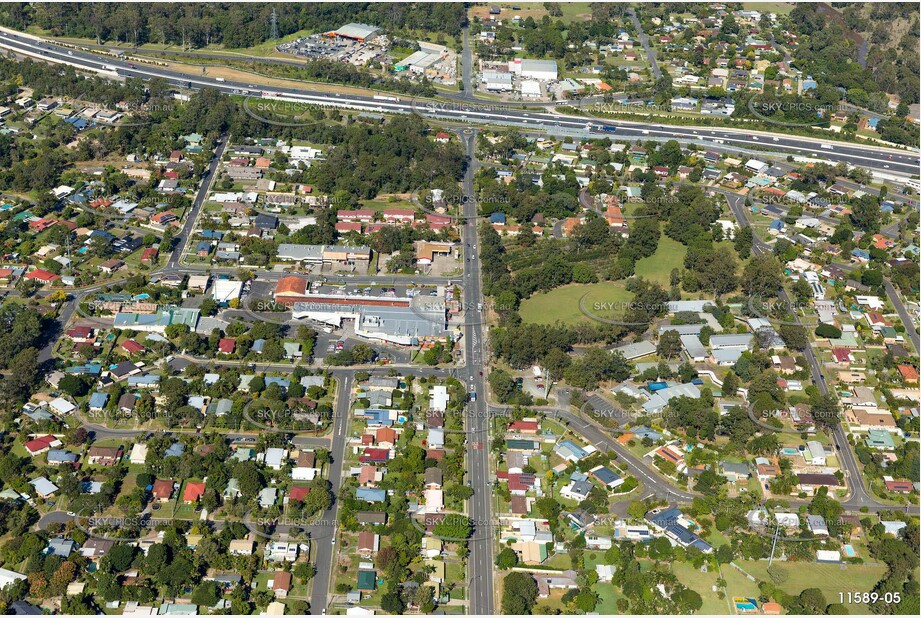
367 580
880 439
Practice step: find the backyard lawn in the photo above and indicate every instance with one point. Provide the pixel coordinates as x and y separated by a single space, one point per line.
829 578
737 585
702 584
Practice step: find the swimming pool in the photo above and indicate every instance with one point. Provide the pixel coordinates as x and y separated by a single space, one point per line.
789 451
745 604
849 551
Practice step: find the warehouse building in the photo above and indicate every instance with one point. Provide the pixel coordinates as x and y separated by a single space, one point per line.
355 32
544 70
402 325
495 81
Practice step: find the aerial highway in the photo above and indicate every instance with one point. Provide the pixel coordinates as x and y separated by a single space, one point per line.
888 161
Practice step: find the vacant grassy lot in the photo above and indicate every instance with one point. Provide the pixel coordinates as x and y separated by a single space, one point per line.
781 8
572 11
562 304
575 11
658 266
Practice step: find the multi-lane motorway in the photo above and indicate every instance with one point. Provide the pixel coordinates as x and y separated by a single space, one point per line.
882 160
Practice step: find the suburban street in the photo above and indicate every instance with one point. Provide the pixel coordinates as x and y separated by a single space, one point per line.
907 318
858 495
182 238
644 41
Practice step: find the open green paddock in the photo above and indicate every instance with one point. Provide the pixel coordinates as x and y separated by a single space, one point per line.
563 304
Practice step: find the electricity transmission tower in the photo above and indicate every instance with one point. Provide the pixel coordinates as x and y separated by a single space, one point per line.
274 18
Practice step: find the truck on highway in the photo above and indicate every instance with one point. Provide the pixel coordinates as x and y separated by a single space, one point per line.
608 128
220 79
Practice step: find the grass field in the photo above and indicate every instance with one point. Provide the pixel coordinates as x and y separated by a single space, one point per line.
781 8
702 584
572 11
831 579
384 203
563 304
658 266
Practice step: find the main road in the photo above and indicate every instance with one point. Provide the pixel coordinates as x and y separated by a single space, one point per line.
323 533
888 161
480 563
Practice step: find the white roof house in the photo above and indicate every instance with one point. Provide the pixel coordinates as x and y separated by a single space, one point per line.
225 290
8 577
198 282
43 487
817 525
267 497
138 454
894 527
62 406
815 452
438 399
659 399
274 457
